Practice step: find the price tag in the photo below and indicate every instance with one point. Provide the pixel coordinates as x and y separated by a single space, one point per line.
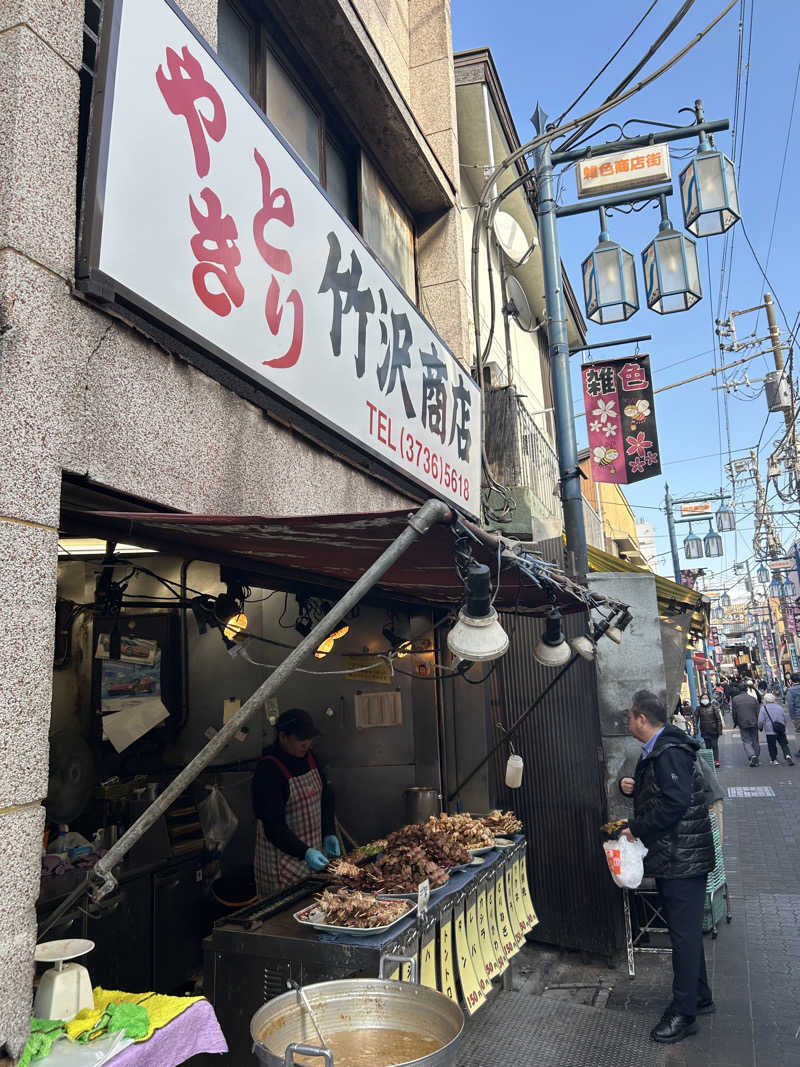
526 892
423 896
447 978
427 973
487 951
470 989
405 971
503 921
491 914
519 903
474 942
516 929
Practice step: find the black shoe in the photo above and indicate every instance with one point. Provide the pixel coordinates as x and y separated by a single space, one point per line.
705 1007
673 1027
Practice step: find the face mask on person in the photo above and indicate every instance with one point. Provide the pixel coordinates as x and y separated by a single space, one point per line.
705 702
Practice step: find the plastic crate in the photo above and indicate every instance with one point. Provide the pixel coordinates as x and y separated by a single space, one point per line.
712 919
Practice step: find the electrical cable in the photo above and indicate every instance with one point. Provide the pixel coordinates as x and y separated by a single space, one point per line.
605 66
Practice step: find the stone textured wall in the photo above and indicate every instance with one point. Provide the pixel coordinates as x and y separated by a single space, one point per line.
82 392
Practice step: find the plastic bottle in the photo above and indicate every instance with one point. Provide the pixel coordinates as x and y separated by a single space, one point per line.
514 771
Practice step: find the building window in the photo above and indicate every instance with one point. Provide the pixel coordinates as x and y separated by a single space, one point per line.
257 59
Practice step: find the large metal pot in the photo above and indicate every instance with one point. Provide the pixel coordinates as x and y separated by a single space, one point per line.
353 1004
421 803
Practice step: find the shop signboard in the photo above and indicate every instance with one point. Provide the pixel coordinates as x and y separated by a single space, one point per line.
696 507
200 216
620 418
616 171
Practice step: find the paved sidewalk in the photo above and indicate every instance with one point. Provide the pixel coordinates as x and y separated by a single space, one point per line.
754 964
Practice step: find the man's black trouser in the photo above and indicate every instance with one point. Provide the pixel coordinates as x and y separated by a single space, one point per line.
684 899
712 741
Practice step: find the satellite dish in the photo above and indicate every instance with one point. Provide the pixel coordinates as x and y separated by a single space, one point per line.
517 305
511 238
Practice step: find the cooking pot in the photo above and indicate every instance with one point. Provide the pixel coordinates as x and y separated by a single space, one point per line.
421 803
282 1028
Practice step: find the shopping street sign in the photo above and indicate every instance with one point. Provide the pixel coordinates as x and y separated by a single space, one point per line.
616 171
201 216
621 421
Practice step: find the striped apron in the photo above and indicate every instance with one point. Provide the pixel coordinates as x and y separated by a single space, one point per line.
276 870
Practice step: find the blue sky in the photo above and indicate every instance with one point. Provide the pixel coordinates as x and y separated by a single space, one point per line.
549 53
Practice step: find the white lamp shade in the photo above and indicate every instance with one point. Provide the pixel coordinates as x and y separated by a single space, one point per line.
609 284
709 196
477 639
552 655
671 273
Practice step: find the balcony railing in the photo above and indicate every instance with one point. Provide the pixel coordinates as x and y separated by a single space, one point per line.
538 466
593 525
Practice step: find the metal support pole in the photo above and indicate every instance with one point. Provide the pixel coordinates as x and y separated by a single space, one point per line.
431 512
566 443
777 355
676 567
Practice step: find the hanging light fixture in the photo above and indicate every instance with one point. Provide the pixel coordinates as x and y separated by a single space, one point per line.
583 645
551 650
788 588
692 545
618 626
610 291
229 611
708 189
712 543
726 520
327 644
725 601
477 635
671 271
776 586
763 574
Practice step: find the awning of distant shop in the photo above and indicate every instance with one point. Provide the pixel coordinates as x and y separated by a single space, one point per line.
671 596
332 550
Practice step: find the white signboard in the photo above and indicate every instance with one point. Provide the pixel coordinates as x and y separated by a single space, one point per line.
623 170
207 221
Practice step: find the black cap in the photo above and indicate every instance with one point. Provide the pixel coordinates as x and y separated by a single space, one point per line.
297 722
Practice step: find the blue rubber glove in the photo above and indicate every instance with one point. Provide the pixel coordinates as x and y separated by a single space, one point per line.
315 859
331 846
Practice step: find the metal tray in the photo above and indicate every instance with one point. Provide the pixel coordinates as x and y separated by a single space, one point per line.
304 917
480 851
503 842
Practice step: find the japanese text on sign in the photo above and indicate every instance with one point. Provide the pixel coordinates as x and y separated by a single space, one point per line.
620 418
622 170
222 233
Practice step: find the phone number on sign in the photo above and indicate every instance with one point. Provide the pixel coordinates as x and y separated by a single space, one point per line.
416 454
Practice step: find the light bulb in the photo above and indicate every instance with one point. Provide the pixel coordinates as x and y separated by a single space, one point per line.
235 626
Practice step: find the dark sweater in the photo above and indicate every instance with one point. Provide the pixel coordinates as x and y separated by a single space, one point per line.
270 793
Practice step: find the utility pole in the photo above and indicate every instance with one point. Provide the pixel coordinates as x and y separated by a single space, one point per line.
676 567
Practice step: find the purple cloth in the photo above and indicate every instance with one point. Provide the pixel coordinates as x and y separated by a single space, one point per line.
195 1030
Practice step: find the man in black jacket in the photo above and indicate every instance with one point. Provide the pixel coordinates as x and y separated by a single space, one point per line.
745 709
671 819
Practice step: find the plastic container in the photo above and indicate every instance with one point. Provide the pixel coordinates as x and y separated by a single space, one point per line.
514 769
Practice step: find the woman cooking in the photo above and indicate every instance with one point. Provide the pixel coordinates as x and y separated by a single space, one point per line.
293 805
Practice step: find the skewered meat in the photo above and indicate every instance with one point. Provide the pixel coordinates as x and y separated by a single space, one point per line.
365 853
397 871
442 848
502 822
342 870
469 832
343 908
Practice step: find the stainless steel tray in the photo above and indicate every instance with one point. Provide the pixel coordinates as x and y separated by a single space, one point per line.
314 916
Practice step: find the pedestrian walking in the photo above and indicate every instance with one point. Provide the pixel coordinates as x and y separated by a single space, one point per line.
745 709
772 720
793 705
709 720
671 817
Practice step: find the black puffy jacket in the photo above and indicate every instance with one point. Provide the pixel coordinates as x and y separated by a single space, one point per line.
670 813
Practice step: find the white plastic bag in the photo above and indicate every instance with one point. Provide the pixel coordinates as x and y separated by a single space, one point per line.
217 819
624 860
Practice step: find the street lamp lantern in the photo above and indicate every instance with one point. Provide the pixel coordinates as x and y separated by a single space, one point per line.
763 574
693 546
726 521
788 588
708 189
712 543
609 280
671 271
725 601
776 588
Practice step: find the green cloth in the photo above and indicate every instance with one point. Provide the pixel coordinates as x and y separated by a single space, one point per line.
43 1033
132 1018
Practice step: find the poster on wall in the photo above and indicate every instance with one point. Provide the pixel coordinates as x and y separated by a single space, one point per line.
130 689
200 215
620 419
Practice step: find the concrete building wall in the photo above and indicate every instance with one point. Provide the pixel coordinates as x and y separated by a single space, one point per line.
84 393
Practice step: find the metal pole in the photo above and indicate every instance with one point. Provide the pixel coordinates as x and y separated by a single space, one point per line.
431 512
676 567
777 355
566 443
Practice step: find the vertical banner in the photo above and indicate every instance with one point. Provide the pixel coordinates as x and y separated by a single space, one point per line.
503 922
487 949
474 942
511 904
501 963
620 420
427 958
470 985
447 981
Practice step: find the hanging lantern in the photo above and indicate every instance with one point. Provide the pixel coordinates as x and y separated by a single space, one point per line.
671 271
788 588
725 601
726 520
708 192
693 546
763 574
712 543
776 587
609 280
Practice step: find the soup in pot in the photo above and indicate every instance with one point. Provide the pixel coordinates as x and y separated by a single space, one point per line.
374 1047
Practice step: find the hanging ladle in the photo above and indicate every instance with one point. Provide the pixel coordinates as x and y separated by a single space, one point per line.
304 999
